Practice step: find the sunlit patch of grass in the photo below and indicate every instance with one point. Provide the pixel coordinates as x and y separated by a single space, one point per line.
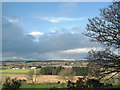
15 71
116 84
44 86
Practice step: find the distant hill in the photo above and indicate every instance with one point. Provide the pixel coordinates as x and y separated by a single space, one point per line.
41 60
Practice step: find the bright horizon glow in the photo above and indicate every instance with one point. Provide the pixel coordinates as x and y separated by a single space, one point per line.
78 50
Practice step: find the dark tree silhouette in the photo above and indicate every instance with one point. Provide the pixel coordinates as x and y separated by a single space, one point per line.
105 29
103 63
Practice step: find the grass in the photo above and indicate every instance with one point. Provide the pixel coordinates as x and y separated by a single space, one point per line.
44 86
116 84
54 85
15 71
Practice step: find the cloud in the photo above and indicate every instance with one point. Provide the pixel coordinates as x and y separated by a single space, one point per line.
63 10
36 33
77 50
14 42
63 39
62 43
68 5
14 19
60 19
68 8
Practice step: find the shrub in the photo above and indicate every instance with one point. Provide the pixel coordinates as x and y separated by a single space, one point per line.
89 83
11 84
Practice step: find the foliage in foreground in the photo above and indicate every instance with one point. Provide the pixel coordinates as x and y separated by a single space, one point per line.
12 84
89 83
105 29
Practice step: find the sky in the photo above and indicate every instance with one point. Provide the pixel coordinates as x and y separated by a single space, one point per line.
47 30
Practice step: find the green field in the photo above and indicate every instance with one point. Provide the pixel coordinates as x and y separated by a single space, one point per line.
55 85
116 84
44 86
15 71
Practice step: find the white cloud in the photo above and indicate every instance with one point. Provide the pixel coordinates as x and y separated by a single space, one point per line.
68 5
60 19
68 8
60 44
36 33
14 19
78 50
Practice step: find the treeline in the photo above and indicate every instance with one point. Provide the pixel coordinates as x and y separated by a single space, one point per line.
50 70
79 71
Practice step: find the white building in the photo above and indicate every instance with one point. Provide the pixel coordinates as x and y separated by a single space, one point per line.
33 68
15 68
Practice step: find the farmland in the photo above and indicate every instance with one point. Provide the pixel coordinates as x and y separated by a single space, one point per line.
60 45
55 85
15 71
49 76
44 86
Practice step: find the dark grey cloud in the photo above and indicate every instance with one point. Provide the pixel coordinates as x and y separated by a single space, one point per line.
64 39
50 45
14 40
